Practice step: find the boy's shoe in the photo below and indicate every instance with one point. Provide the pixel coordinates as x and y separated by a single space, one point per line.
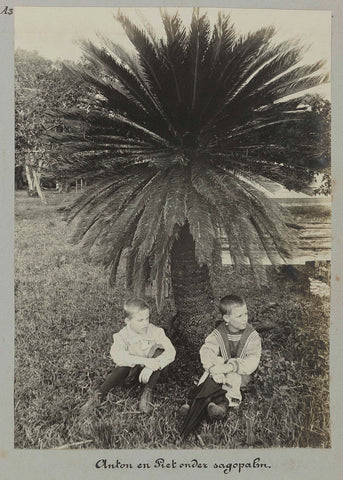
216 411
90 405
184 410
145 404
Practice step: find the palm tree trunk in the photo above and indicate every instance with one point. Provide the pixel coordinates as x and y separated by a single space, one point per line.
192 291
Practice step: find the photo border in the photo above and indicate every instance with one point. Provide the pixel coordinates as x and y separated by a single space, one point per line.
80 464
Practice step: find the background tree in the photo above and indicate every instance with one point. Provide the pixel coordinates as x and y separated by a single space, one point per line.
307 144
319 139
40 85
178 149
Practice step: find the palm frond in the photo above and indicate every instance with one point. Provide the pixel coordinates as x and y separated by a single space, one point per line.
92 194
130 261
256 205
255 252
268 76
120 243
99 214
175 204
173 51
227 211
130 60
117 96
149 29
197 46
136 90
238 64
140 276
149 223
223 39
301 85
146 51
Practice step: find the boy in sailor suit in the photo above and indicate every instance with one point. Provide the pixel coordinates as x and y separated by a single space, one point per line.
229 355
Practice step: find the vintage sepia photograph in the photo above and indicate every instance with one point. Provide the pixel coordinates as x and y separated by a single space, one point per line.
172 228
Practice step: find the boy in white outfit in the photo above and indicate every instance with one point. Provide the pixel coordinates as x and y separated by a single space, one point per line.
140 350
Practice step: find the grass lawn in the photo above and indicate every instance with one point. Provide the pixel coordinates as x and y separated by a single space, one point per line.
66 315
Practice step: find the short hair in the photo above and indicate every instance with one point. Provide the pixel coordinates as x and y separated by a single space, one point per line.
133 304
228 301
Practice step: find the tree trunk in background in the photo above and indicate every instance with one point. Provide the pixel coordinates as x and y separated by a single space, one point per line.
30 181
33 180
19 177
36 177
192 292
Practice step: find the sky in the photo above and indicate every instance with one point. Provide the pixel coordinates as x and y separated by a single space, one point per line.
53 31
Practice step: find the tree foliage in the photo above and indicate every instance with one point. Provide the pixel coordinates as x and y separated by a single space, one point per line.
181 140
307 144
41 85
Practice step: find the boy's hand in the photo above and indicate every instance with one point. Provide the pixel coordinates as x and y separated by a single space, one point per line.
218 372
229 368
218 377
222 368
145 375
152 363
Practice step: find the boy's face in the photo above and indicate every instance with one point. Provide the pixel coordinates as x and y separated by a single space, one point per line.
139 321
238 317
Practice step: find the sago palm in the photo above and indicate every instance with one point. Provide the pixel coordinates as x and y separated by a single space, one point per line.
176 150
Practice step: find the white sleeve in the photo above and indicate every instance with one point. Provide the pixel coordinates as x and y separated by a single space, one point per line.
209 353
251 358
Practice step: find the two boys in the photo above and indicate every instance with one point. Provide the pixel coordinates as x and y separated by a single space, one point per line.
142 350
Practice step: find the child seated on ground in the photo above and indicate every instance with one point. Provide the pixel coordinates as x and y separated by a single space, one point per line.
140 351
229 355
